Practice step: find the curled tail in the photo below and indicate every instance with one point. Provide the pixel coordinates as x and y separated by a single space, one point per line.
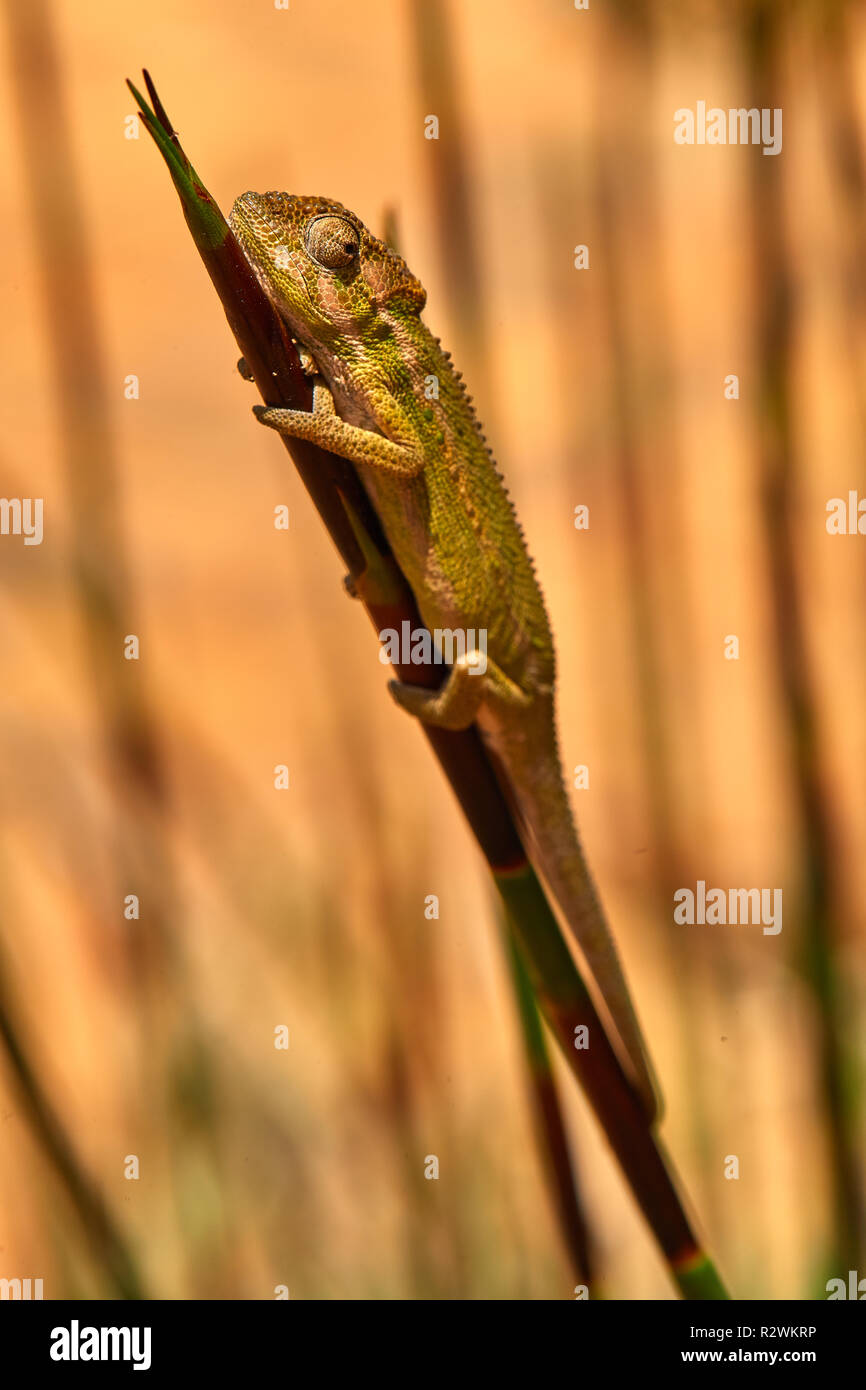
541 804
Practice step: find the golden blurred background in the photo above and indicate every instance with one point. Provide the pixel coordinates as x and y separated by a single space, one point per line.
154 1038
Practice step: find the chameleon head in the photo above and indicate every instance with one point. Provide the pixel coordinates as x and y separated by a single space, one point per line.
322 269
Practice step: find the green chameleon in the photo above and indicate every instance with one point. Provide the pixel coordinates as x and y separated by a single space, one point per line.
386 397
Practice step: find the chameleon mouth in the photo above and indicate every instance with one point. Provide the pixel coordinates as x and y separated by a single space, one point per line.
258 215
248 222
243 218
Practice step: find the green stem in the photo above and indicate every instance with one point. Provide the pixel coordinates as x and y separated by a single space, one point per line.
550 1122
566 1004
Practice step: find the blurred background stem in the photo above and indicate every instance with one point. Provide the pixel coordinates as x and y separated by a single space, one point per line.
173 1055
97 1227
763 39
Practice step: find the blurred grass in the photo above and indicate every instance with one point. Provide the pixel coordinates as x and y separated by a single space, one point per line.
306 1167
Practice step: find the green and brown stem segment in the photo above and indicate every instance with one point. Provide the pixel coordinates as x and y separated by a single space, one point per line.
550 1120
355 530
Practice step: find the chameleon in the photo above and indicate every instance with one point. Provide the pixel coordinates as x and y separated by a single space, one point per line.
387 397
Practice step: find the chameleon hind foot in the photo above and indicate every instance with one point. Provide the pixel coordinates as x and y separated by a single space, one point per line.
472 681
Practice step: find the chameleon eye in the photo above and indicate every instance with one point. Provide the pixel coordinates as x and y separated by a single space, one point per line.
332 242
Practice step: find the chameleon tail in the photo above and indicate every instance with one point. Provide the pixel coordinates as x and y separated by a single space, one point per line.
544 812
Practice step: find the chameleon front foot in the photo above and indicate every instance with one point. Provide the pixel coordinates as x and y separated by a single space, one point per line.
323 426
307 361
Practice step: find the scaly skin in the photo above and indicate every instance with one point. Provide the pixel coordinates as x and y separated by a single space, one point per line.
354 308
